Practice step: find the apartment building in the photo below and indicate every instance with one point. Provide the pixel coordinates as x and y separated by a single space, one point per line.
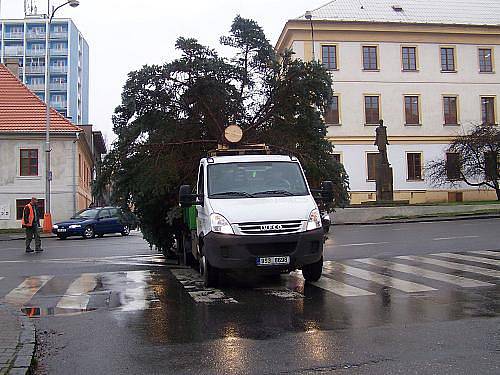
26 41
427 68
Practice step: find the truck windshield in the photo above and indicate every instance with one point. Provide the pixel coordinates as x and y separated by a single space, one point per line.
255 180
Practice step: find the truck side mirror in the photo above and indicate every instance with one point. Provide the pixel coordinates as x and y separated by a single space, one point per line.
187 198
327 190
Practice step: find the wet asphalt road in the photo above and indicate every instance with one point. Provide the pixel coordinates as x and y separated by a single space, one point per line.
113 306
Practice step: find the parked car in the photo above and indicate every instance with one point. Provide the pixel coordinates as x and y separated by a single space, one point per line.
94 222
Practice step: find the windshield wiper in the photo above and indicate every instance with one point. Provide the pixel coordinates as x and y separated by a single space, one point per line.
233 194
272 192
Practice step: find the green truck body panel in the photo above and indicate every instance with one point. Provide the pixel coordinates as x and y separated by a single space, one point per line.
190 214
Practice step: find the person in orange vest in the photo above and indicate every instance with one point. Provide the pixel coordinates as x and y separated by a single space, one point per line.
31 221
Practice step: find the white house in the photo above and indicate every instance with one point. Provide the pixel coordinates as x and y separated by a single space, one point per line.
427 68
22 159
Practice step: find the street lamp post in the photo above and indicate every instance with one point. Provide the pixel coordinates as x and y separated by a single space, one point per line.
47 222
308 17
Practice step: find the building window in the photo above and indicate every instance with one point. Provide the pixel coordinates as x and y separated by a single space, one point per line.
329 57
29 162
452 166
447 59
412 116
414 160
21 203
372 110
409 56
450 110
370 58
485 60
332 115
488 110
371 165
336 157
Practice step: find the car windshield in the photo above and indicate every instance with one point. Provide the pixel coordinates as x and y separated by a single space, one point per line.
255 180
86 214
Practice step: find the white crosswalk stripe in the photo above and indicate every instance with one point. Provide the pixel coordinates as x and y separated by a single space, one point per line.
77 296
493 262
487 253
439 276
341 289
403 285
25 291
454 266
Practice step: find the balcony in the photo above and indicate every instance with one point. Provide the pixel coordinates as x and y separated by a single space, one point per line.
36 86
58 35
14 35
35 69
14 50
59 52
35 35
58 86
59 69
58 104
35 52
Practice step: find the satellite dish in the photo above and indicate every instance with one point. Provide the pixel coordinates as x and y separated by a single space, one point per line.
233 134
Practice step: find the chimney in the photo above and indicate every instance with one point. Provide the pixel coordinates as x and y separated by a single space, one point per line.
13 66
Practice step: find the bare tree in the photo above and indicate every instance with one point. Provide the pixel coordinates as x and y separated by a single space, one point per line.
472 158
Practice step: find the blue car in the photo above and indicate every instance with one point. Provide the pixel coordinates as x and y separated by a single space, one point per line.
93 222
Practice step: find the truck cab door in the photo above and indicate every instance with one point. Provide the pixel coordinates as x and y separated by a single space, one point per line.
203 219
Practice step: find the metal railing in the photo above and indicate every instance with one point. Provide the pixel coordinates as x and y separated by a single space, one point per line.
35 52
57 86
14 35
35 35
58 35
59 69
36 86
35 69
58 52
14 50
58 104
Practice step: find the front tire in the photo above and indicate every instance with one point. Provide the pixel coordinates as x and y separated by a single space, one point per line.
88 233
125 231
210 274
62 236
312 272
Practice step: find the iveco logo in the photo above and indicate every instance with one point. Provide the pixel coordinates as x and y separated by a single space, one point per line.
271 227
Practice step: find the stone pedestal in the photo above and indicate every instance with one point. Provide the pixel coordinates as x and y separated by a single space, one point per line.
384 182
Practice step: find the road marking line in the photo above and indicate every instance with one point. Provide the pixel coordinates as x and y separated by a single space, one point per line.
341 289
193 284
454 238
405 286
76 296
26 290
494 262
444 277
455 266
487 252
361 244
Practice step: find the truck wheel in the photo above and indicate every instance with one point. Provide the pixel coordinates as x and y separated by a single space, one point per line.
312 272
210 274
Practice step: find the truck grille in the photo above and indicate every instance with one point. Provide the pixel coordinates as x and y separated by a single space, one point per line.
275 227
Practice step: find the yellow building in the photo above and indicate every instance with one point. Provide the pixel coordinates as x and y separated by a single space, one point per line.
427 68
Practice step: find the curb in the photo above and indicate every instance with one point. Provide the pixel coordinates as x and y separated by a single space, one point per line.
22 237
21 361
422 220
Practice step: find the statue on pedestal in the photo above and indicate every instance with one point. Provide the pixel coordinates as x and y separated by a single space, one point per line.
383 170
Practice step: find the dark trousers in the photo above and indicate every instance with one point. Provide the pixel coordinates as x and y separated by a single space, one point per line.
31 232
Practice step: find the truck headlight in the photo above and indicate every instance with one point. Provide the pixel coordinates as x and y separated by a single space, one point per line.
75 226
55 226
220 224
314 221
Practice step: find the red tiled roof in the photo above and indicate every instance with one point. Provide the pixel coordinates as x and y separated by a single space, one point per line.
22 111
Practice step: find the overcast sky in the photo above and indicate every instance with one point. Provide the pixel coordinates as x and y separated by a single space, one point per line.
123 35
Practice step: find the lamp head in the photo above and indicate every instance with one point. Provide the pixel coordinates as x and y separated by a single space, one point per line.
73 3
308 15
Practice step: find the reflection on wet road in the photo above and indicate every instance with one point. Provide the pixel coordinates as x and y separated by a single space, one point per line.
175 307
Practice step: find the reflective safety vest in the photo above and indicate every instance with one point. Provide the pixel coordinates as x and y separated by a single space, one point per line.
31 217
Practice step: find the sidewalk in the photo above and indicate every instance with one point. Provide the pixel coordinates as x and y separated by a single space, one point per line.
17 342
21 236
408 214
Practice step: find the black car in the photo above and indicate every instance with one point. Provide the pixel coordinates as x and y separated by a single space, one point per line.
95 221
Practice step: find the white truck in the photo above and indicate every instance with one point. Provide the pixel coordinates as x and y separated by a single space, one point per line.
253 210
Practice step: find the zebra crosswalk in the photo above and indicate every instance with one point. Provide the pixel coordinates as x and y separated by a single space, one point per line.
144 289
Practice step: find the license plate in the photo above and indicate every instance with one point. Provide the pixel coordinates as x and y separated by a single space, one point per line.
273 261
61 230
